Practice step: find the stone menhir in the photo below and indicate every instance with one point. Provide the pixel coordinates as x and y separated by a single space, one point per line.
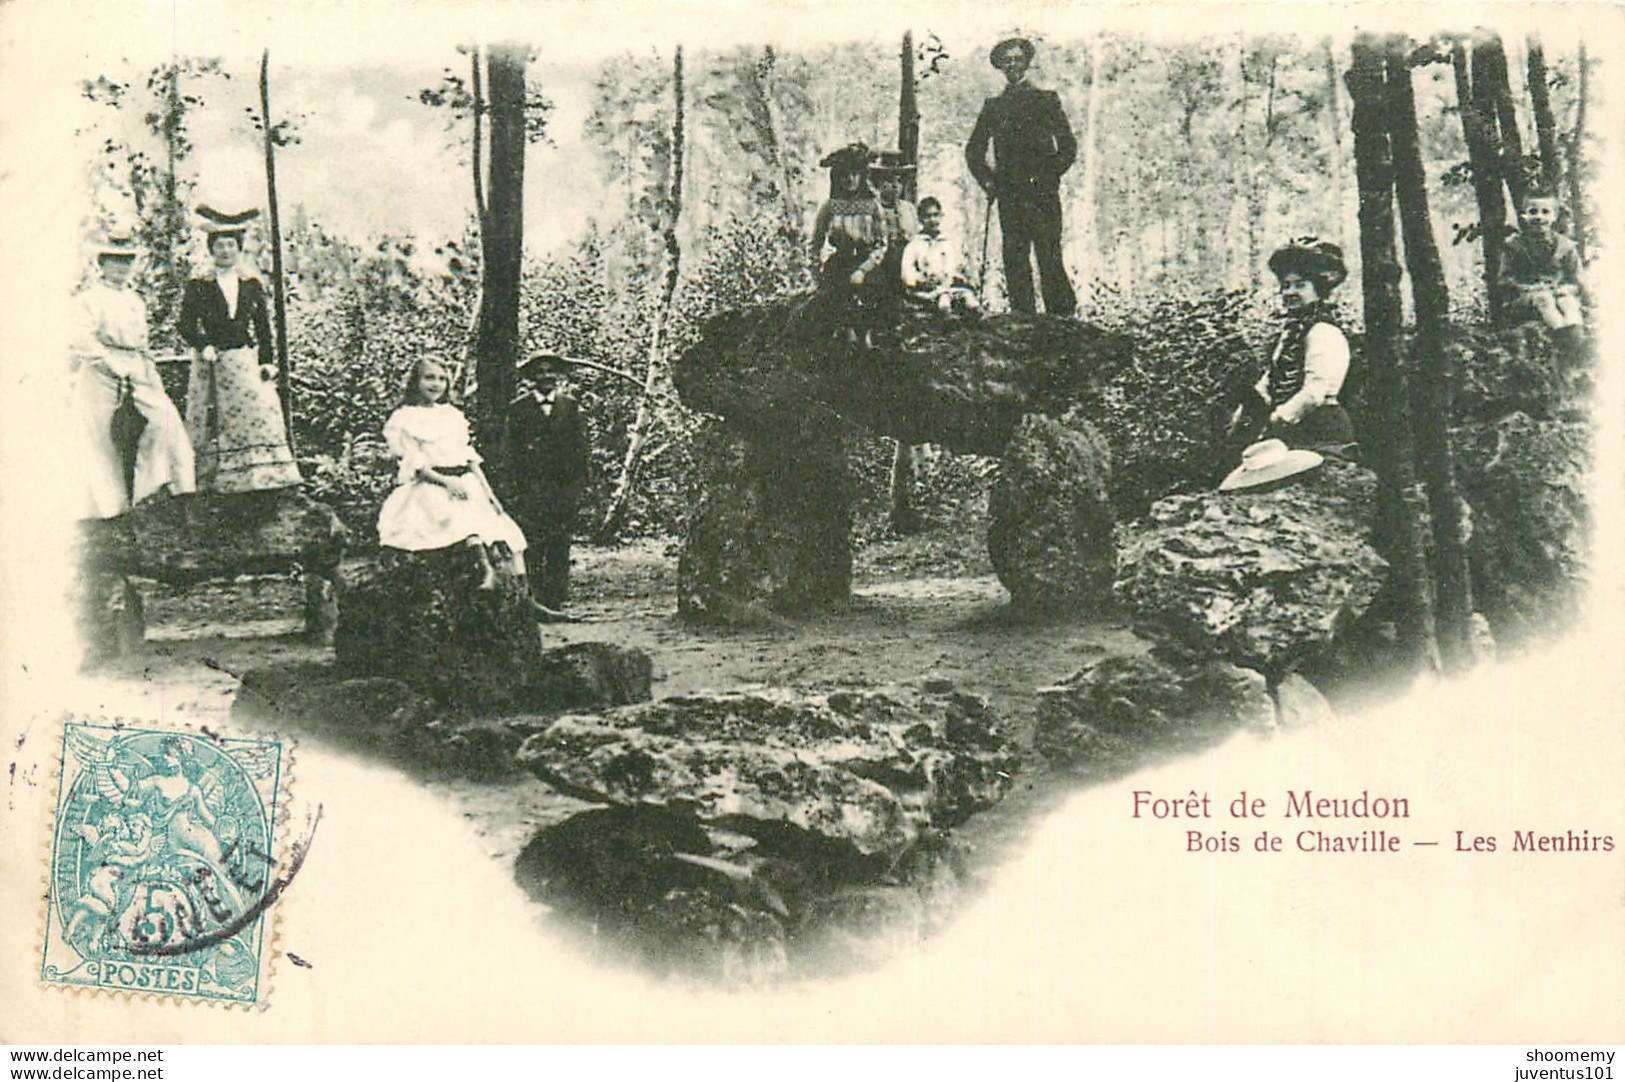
419 619
386 717
1102 718
771 529
1264 580
1050 517
963 385
861 774
1525 480
771 525
196 538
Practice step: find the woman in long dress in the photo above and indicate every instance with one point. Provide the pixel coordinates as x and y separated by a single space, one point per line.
111 359
232 408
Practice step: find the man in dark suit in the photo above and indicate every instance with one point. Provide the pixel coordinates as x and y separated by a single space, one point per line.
1032 146
547 443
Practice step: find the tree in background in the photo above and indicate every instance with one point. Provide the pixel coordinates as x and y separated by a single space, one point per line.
130 177
667 213
1398 525
1453 594
502 240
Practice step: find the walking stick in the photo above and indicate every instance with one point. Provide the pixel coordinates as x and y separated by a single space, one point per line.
981 276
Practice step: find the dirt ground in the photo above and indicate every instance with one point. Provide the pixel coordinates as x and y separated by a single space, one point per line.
908 619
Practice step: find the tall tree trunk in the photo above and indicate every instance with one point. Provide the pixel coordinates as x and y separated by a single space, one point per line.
1499 89
1088 227
1492 210
278 293
1399 528
904 517
766 80
1334 119
477 118
671 255
1431 370
1540 99
502 242
1577 157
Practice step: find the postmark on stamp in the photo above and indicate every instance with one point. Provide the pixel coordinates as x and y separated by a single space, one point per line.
163 863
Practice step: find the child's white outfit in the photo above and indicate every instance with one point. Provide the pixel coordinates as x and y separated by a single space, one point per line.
422 515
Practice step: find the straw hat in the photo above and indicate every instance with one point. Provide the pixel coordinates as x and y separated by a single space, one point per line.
114 244
1266 462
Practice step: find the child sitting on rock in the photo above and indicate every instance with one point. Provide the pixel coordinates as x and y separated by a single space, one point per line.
929 262
1540 272
442 497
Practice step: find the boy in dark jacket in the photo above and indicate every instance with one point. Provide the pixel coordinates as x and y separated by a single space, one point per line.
547 443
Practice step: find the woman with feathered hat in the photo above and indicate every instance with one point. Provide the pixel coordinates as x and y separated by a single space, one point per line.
110 355
1296 400
232 408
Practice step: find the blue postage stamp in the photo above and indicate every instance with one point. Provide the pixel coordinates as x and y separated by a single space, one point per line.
163 863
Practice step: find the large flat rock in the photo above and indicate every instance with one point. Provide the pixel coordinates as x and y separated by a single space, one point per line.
862 771
1262 580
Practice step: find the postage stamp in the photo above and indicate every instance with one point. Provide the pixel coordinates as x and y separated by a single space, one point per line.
163 863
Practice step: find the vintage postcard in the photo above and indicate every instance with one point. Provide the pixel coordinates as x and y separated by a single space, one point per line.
763 522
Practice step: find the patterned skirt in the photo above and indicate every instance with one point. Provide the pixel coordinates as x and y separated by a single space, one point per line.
235 421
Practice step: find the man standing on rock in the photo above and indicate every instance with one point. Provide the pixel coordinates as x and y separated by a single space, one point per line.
1032 146
547 441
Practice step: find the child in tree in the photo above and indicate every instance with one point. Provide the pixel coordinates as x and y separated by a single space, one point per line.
1540 272
442 496
929 262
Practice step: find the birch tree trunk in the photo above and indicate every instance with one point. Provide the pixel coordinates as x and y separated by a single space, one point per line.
655 364
1431 370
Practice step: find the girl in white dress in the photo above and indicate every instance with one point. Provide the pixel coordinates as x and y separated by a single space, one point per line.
442 497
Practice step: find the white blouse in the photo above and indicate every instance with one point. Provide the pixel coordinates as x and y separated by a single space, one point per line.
1325 366
429 436
112 329
928 262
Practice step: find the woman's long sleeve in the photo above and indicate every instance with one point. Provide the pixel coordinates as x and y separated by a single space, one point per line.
190 323
1325 365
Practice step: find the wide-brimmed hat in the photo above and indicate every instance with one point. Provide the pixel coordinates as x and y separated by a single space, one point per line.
114 243
1267 462
1009 46
852 158
538 365
1318 260
217 223
890 162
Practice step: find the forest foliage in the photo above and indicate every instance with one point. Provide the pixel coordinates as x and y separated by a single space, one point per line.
1195 159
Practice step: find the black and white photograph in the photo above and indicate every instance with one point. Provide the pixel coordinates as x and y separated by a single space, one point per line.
750 522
